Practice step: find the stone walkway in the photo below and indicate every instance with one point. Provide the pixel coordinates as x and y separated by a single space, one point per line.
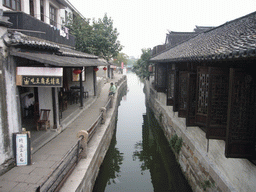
45 159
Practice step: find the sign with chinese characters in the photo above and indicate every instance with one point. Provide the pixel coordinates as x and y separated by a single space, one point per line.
21 149
42 81
39 77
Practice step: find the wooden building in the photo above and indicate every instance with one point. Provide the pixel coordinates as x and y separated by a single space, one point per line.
209 80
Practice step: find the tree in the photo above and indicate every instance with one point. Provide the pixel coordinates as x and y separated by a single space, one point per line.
82 30
105 37
141 67
121 57
98 38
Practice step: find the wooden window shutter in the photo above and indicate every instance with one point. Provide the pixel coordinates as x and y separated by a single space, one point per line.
202 95
187 96
176 91
217 103
191 114
183 93
160 82
170 84
240 138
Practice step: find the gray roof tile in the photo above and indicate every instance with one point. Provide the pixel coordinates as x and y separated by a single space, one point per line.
233 39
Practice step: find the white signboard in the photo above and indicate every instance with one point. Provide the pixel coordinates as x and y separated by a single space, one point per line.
39 77
40 71
21 149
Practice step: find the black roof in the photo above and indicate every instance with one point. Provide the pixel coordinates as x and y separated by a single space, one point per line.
59 60
49 53
231 40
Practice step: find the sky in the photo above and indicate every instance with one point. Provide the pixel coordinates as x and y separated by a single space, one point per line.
145 23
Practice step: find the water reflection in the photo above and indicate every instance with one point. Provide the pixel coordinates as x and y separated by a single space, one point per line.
110 169
139 157
155 155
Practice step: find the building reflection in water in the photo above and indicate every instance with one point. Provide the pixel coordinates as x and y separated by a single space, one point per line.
156 156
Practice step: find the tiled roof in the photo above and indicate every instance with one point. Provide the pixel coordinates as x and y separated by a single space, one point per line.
48 52
73 53
13 38
60 61
233 39
18 39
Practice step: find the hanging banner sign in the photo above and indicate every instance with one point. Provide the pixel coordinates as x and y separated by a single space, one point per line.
39 77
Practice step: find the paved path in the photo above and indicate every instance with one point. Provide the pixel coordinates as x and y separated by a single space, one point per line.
45 159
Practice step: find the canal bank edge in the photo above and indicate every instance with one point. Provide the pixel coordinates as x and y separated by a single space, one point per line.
205 171
85 173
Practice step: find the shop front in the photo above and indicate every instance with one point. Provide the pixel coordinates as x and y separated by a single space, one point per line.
38 96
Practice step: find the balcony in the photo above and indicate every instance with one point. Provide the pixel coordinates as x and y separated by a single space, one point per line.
37 28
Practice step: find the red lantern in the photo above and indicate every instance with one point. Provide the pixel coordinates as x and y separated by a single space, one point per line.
150 68
77 71
105 68
96 69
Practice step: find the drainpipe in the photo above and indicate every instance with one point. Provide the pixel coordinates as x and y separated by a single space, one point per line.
81 89
94 81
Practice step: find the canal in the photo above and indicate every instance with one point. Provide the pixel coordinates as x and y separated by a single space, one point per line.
139 158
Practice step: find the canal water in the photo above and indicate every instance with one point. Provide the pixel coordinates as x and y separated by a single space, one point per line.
139 158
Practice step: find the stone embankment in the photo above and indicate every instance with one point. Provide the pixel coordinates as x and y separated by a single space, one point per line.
85 173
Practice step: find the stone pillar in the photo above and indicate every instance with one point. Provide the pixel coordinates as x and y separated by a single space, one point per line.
83 143
111 101
103 110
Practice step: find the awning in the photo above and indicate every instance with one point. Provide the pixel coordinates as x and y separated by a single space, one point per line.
60 61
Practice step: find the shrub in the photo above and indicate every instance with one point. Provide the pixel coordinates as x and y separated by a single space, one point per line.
178 145
173 140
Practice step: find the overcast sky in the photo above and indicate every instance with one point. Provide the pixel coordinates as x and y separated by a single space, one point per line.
144 23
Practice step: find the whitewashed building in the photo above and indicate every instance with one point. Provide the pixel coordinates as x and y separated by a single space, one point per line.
37 55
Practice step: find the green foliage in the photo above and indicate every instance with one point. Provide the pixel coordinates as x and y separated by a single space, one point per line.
121 57
82 30
105 38
173 140
141 67
98 38
176 143
207 184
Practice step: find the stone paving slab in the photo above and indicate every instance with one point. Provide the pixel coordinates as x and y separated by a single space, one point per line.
45 159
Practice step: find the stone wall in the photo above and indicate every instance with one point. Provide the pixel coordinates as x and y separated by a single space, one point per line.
202 161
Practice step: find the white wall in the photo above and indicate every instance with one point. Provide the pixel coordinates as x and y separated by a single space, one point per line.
88 83
25 9
45 101
11 99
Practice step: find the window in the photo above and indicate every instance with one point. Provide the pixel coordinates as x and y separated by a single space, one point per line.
53 16
42 10
12 4
31 7
66 17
